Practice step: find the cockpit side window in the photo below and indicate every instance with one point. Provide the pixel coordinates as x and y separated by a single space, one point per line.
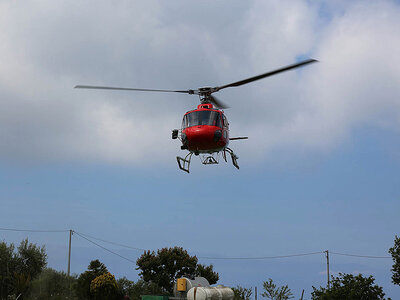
225 121
184 122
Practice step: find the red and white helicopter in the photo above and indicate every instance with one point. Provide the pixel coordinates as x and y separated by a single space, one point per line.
205 130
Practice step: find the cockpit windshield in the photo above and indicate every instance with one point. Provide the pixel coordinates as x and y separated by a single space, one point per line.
202 117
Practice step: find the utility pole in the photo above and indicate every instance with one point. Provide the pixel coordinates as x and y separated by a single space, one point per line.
69 252
255 294
327 267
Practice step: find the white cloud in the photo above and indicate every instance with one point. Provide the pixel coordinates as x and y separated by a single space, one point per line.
47 47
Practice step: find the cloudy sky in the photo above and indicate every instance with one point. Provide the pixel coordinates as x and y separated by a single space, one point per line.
319 171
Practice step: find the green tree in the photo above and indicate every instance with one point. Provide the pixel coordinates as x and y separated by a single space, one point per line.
271 291
395 252
105 287
82 286
7 267
125 286
168 264
141 287
52 284
207 272
18 267
22 283
242 293
31 259
348 286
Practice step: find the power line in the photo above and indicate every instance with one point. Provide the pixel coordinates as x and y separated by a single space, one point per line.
204 257
89 237
241 258
113 243
361 256
85 236
31 230
104 248
261 257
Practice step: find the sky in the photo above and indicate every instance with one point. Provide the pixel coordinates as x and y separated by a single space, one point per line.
318 172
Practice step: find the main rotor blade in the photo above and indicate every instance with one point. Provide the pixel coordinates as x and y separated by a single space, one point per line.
95 87
258 77
218 103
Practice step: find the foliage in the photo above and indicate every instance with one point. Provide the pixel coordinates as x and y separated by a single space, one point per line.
52 284
31 258
18 267
348 286
395 252
125 285
169 264
141 287
166 266
242 293
271 291
82 286
21 283
207 272
105 287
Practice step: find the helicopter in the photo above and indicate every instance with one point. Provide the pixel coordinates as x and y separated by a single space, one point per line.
205 130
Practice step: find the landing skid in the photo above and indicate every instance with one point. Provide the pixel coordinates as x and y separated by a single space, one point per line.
184 163
208 159
233 156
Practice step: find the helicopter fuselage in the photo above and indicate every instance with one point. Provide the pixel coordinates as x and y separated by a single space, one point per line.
205 130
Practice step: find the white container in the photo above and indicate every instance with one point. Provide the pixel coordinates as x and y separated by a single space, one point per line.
191 283
218 292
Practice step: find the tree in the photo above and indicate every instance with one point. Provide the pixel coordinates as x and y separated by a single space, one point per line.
18 267
168 264
82 286
141 287
135 290
52 284
22 282
125 286
348 286
271 291
395 252
105 287
31 259
7 265
207 272
242 293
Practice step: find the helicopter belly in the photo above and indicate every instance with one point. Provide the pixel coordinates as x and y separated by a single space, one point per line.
205 139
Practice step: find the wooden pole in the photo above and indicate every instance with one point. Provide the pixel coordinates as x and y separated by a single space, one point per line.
327 268
69 252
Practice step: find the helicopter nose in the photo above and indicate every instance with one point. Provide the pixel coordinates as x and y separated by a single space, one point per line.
200 133
205 138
